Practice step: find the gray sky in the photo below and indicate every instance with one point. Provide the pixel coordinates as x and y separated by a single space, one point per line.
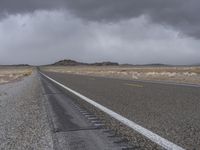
125 31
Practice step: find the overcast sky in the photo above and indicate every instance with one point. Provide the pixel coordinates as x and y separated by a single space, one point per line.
125 31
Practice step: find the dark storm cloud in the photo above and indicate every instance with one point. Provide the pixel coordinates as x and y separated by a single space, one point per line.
125 31
44 37
21 6
181 14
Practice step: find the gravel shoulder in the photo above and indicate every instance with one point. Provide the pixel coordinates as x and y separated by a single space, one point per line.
23 118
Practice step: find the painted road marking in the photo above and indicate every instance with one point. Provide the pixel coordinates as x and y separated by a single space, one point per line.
92 118
99 124
96 121
92 78
90 115
143 131
134 85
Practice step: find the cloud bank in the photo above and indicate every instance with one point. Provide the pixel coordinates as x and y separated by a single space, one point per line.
181 14
138 32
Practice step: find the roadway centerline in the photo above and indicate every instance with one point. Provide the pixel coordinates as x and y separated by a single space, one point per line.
143 131
134 85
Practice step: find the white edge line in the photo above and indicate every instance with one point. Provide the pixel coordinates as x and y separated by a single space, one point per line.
143 131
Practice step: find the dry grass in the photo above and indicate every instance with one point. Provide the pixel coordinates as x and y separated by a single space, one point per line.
8 74
172 74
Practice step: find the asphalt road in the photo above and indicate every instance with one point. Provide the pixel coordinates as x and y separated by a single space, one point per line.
73 127
171 111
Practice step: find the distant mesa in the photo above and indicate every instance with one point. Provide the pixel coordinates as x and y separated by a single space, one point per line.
69 62
107 63
157 65
21 65
16 65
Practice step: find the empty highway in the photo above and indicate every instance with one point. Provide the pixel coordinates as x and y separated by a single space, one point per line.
169 110
73 127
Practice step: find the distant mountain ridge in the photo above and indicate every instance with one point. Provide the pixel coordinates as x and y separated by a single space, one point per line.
17 65
69 62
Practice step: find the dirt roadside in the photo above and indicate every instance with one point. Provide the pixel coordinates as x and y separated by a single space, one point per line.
23 119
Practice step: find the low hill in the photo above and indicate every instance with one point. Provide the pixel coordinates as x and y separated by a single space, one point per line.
69 62
107 63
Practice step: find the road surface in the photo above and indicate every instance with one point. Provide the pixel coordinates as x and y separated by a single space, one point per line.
169 110
75 128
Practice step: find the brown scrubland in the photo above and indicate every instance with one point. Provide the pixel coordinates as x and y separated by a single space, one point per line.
8 74
180 74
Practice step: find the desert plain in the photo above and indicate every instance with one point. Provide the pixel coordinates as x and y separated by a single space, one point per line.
180 74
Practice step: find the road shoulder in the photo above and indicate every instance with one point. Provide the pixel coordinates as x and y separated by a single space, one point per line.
23 118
